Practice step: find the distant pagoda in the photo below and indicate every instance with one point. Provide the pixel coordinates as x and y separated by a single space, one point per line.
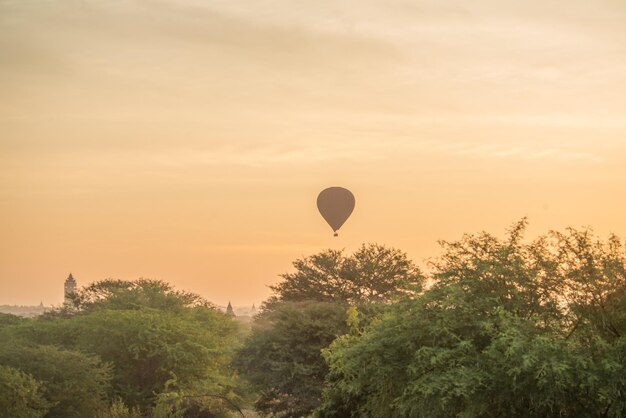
70 290
229 310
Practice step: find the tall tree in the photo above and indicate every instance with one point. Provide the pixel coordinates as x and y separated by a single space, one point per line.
282 356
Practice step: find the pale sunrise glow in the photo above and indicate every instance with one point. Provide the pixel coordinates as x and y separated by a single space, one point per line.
187 140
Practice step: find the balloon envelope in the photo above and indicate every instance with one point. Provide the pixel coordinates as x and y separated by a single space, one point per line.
335 204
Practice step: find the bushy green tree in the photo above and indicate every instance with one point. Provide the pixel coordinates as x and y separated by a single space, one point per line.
154 350
282 358
117 409
150 350
136 294
508 329
73 384
373 274
9 319
156 339
20 395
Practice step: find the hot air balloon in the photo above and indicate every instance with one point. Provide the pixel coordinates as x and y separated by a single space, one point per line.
335 204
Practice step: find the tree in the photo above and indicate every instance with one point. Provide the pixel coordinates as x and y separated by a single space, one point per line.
373 274
73 384
20 395
282 355
151 351
154 351
136 294
508 329
118 409
9 319
157 340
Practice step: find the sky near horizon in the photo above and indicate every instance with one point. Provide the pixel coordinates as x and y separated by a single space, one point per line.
187 140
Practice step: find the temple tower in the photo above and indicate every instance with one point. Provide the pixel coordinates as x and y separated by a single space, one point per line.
229 310
70 289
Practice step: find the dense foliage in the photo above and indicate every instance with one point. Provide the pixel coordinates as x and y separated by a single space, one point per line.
74 384
136 294
373 274
282 357
508 329
139 343
20 394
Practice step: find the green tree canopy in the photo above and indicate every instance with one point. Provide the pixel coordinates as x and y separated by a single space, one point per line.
73 384
154 351
135 294
20 395
159 341
282 355
373 274
508 329
9 319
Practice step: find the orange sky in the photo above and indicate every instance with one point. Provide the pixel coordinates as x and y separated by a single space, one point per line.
187 140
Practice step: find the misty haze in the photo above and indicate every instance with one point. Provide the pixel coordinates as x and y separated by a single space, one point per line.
402 208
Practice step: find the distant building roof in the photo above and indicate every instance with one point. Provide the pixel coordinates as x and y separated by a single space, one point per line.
229 310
